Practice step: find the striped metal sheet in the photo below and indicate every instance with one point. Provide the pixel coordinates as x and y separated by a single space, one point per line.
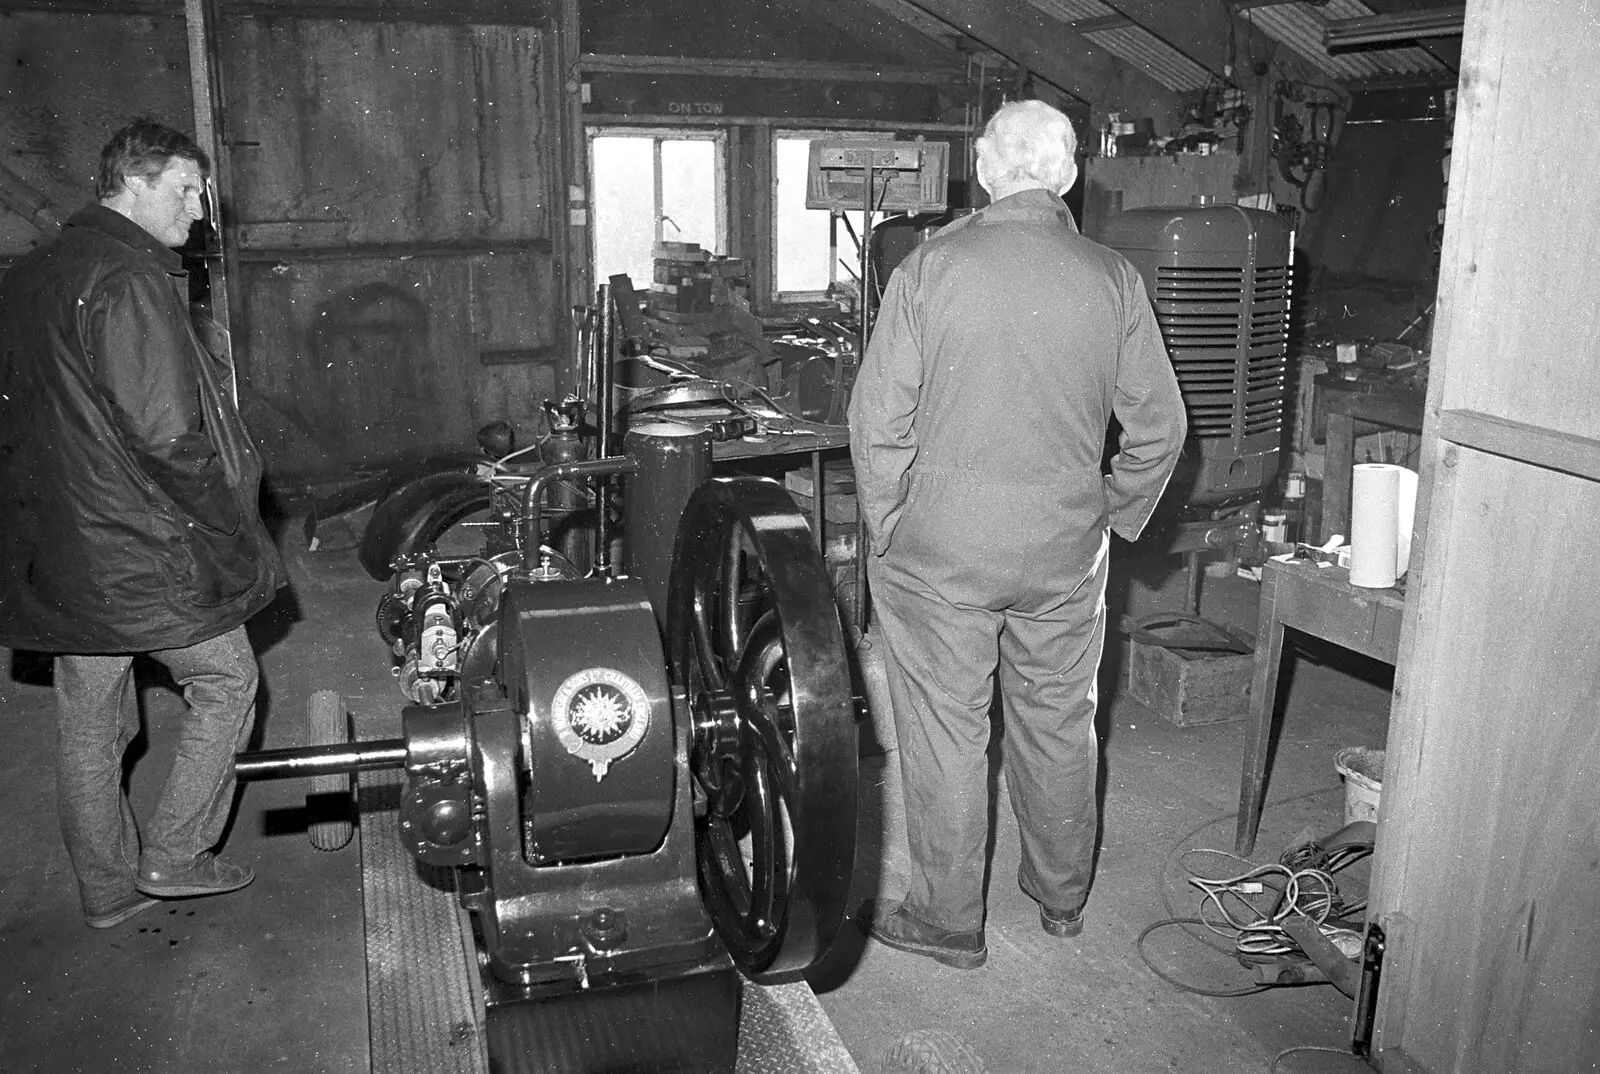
423 1015
1300 26
1074 10
1157 59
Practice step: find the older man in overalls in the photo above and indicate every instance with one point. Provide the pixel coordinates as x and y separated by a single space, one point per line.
1004 346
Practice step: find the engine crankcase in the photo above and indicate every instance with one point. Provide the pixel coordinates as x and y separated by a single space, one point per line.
584 671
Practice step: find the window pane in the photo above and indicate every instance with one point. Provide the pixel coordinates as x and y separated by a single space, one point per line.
689 192
802 256
624 207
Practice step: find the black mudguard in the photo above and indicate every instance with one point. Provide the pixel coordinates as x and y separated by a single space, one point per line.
415 514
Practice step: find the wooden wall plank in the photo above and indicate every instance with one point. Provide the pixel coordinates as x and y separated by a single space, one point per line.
410 164
1521 196
356 362
1500 891
401 132
1489 836
70 80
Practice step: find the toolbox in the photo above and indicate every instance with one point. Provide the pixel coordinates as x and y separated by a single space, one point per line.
1188 670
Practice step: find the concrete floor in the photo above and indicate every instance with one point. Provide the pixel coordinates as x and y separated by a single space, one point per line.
273 977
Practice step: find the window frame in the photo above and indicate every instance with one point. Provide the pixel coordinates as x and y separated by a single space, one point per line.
793 299
718 136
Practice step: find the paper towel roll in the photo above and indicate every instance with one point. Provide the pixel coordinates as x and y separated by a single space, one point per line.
1383 501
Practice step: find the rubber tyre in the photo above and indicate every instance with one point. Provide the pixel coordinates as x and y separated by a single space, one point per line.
930 1051
331 803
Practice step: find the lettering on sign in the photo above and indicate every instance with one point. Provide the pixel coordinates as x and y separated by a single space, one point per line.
694 108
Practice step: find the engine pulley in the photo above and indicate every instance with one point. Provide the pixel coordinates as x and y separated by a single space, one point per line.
757 647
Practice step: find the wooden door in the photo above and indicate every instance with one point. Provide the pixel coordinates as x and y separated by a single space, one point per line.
1487 874
392 185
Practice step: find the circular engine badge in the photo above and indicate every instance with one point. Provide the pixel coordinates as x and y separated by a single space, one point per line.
600 715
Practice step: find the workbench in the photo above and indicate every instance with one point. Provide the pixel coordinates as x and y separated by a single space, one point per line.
1315 599
781 436
1369 401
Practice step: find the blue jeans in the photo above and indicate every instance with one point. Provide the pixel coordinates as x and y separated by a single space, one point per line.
97 716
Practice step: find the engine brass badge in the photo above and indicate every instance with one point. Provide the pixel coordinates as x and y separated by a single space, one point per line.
600 715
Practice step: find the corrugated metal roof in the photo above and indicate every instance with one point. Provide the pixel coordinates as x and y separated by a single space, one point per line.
1300 26
1130 43
1142 49
1074 10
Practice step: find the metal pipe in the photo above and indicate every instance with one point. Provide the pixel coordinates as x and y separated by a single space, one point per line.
674 460
530 535
321 760
605 376
604 370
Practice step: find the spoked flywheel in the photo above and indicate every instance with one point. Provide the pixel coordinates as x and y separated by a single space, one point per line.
759 650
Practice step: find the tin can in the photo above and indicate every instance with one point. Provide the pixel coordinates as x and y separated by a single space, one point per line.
1275 527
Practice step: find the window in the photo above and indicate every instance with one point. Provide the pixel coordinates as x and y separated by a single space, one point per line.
811 249
651 186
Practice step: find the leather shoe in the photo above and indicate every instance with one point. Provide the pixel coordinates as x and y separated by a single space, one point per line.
207 875
1062 924
895 927
120 911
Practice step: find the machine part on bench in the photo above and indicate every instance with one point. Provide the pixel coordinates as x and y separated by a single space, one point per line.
330 804
758 647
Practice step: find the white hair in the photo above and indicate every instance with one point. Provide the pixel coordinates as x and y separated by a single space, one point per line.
1027 143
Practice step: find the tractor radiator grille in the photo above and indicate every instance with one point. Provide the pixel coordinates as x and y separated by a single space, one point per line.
1227 334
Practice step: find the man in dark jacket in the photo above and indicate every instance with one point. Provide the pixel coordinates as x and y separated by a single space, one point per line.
978 422
129 523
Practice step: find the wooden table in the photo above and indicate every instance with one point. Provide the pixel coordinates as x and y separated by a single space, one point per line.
1345 403
1316 600
806 437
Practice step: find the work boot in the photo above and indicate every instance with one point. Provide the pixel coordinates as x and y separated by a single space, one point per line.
1062 924
119 911
895 927
207 875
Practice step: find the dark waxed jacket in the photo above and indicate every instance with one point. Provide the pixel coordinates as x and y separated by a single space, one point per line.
129 519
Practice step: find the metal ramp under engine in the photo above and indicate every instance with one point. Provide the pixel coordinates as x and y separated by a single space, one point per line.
424 1011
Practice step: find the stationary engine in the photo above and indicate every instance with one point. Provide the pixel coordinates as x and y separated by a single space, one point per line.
633 822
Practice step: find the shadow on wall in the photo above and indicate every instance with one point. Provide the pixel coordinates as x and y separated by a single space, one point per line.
369 346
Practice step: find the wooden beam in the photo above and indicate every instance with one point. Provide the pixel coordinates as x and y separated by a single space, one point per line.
897 126
1400 27
448 12
940 32
396 251
154 8
1551 449
876 29
18 195
1209 34
1048 48
781 69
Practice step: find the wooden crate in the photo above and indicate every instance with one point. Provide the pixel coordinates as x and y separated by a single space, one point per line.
1175 671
